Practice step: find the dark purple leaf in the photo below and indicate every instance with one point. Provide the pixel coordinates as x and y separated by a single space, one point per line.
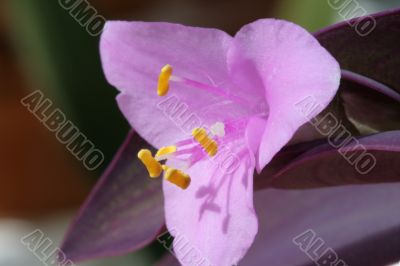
370 84
348 219
168 260
382 247
123 213
375 55
308 132
363 106
325 166
286 156
370 104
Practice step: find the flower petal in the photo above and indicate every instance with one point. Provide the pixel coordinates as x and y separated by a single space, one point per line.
133 54
347 219
213 220
291 65
123 213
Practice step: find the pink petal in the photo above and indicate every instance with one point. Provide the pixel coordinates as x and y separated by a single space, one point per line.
291 65
213 220
254 132
133 54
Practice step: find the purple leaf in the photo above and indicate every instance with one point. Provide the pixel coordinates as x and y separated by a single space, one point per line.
308 133
168 260
359 222
124 212
370 84
286 156
325 166
372 105
374 55
348 219
383 248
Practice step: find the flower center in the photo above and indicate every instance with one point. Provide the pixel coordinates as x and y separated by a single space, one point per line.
202 144
187 151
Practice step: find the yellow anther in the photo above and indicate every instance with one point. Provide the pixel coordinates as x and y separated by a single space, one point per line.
166 150
163 80
153 166
199 133
207 143
212 148
177 177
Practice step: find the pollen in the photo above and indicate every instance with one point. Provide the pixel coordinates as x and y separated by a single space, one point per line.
153 166
177 177
163 80
166 151
208 144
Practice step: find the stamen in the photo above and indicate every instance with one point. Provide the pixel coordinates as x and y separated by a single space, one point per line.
152 165
177 177
163 153
163 80
208 144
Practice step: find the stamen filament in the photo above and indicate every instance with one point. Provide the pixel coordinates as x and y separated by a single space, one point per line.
210 89
165 152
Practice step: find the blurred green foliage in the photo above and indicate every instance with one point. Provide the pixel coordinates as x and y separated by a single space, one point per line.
310 14
62 60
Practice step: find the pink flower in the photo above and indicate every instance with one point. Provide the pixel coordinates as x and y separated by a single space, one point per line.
241 93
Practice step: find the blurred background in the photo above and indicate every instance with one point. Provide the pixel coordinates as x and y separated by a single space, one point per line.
43 47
